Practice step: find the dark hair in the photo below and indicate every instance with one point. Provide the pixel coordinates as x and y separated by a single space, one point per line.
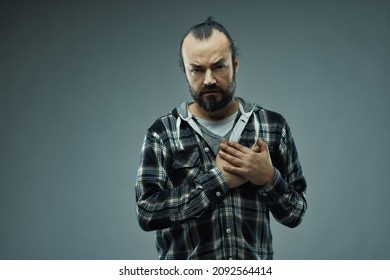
203 31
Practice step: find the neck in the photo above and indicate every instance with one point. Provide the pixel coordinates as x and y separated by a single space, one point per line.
221 114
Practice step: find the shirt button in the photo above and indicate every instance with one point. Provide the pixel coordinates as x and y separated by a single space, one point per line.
228 230
207 149
263 193
218 194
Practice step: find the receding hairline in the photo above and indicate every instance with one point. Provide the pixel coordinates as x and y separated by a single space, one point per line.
205 38
204 31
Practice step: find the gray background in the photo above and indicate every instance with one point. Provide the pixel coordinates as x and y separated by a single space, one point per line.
81 81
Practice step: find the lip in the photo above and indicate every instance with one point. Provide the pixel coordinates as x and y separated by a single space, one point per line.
211 92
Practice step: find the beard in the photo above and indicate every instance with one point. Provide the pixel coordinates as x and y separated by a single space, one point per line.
212 103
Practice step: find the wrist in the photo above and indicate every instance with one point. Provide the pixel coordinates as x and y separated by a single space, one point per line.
268 177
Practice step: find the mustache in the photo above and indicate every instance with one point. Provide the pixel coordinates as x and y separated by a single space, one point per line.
210 88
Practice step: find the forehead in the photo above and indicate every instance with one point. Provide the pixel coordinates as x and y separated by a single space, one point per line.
208 50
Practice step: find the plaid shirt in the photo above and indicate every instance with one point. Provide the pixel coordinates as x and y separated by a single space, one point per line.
184 197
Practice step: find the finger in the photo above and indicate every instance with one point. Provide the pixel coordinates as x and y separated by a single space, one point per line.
229 158
235 170
224 144
231 151
232 169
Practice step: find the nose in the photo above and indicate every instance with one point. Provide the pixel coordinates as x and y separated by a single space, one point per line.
209 78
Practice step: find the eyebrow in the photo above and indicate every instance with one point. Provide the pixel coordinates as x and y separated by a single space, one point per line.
194 65
219 61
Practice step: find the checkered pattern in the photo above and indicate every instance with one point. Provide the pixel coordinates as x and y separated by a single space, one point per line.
184 197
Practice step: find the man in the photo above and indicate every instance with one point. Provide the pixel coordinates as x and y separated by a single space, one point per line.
212 170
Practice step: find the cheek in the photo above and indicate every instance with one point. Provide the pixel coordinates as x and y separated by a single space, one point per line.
227 78
193 82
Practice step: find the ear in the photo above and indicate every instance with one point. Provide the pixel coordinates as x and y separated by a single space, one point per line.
235 64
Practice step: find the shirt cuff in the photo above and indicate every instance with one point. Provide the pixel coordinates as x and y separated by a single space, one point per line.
275 189
214 184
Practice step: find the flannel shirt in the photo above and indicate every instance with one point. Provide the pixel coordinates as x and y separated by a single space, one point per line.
182 195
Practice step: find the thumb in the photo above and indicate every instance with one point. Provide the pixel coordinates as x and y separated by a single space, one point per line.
262 145
256 148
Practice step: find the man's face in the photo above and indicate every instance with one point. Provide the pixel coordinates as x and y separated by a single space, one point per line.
209 70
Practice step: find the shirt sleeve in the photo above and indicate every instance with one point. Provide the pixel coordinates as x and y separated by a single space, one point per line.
160 204
285 194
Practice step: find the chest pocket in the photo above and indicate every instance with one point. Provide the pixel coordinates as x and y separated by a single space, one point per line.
186 167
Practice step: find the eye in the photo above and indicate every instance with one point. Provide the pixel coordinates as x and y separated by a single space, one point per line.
196 71
220 67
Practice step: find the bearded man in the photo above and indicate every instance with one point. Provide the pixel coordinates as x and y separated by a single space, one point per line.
213 169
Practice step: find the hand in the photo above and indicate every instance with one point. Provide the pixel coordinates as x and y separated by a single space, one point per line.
232 180
254 164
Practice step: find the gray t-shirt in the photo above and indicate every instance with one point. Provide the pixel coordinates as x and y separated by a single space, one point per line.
214 131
